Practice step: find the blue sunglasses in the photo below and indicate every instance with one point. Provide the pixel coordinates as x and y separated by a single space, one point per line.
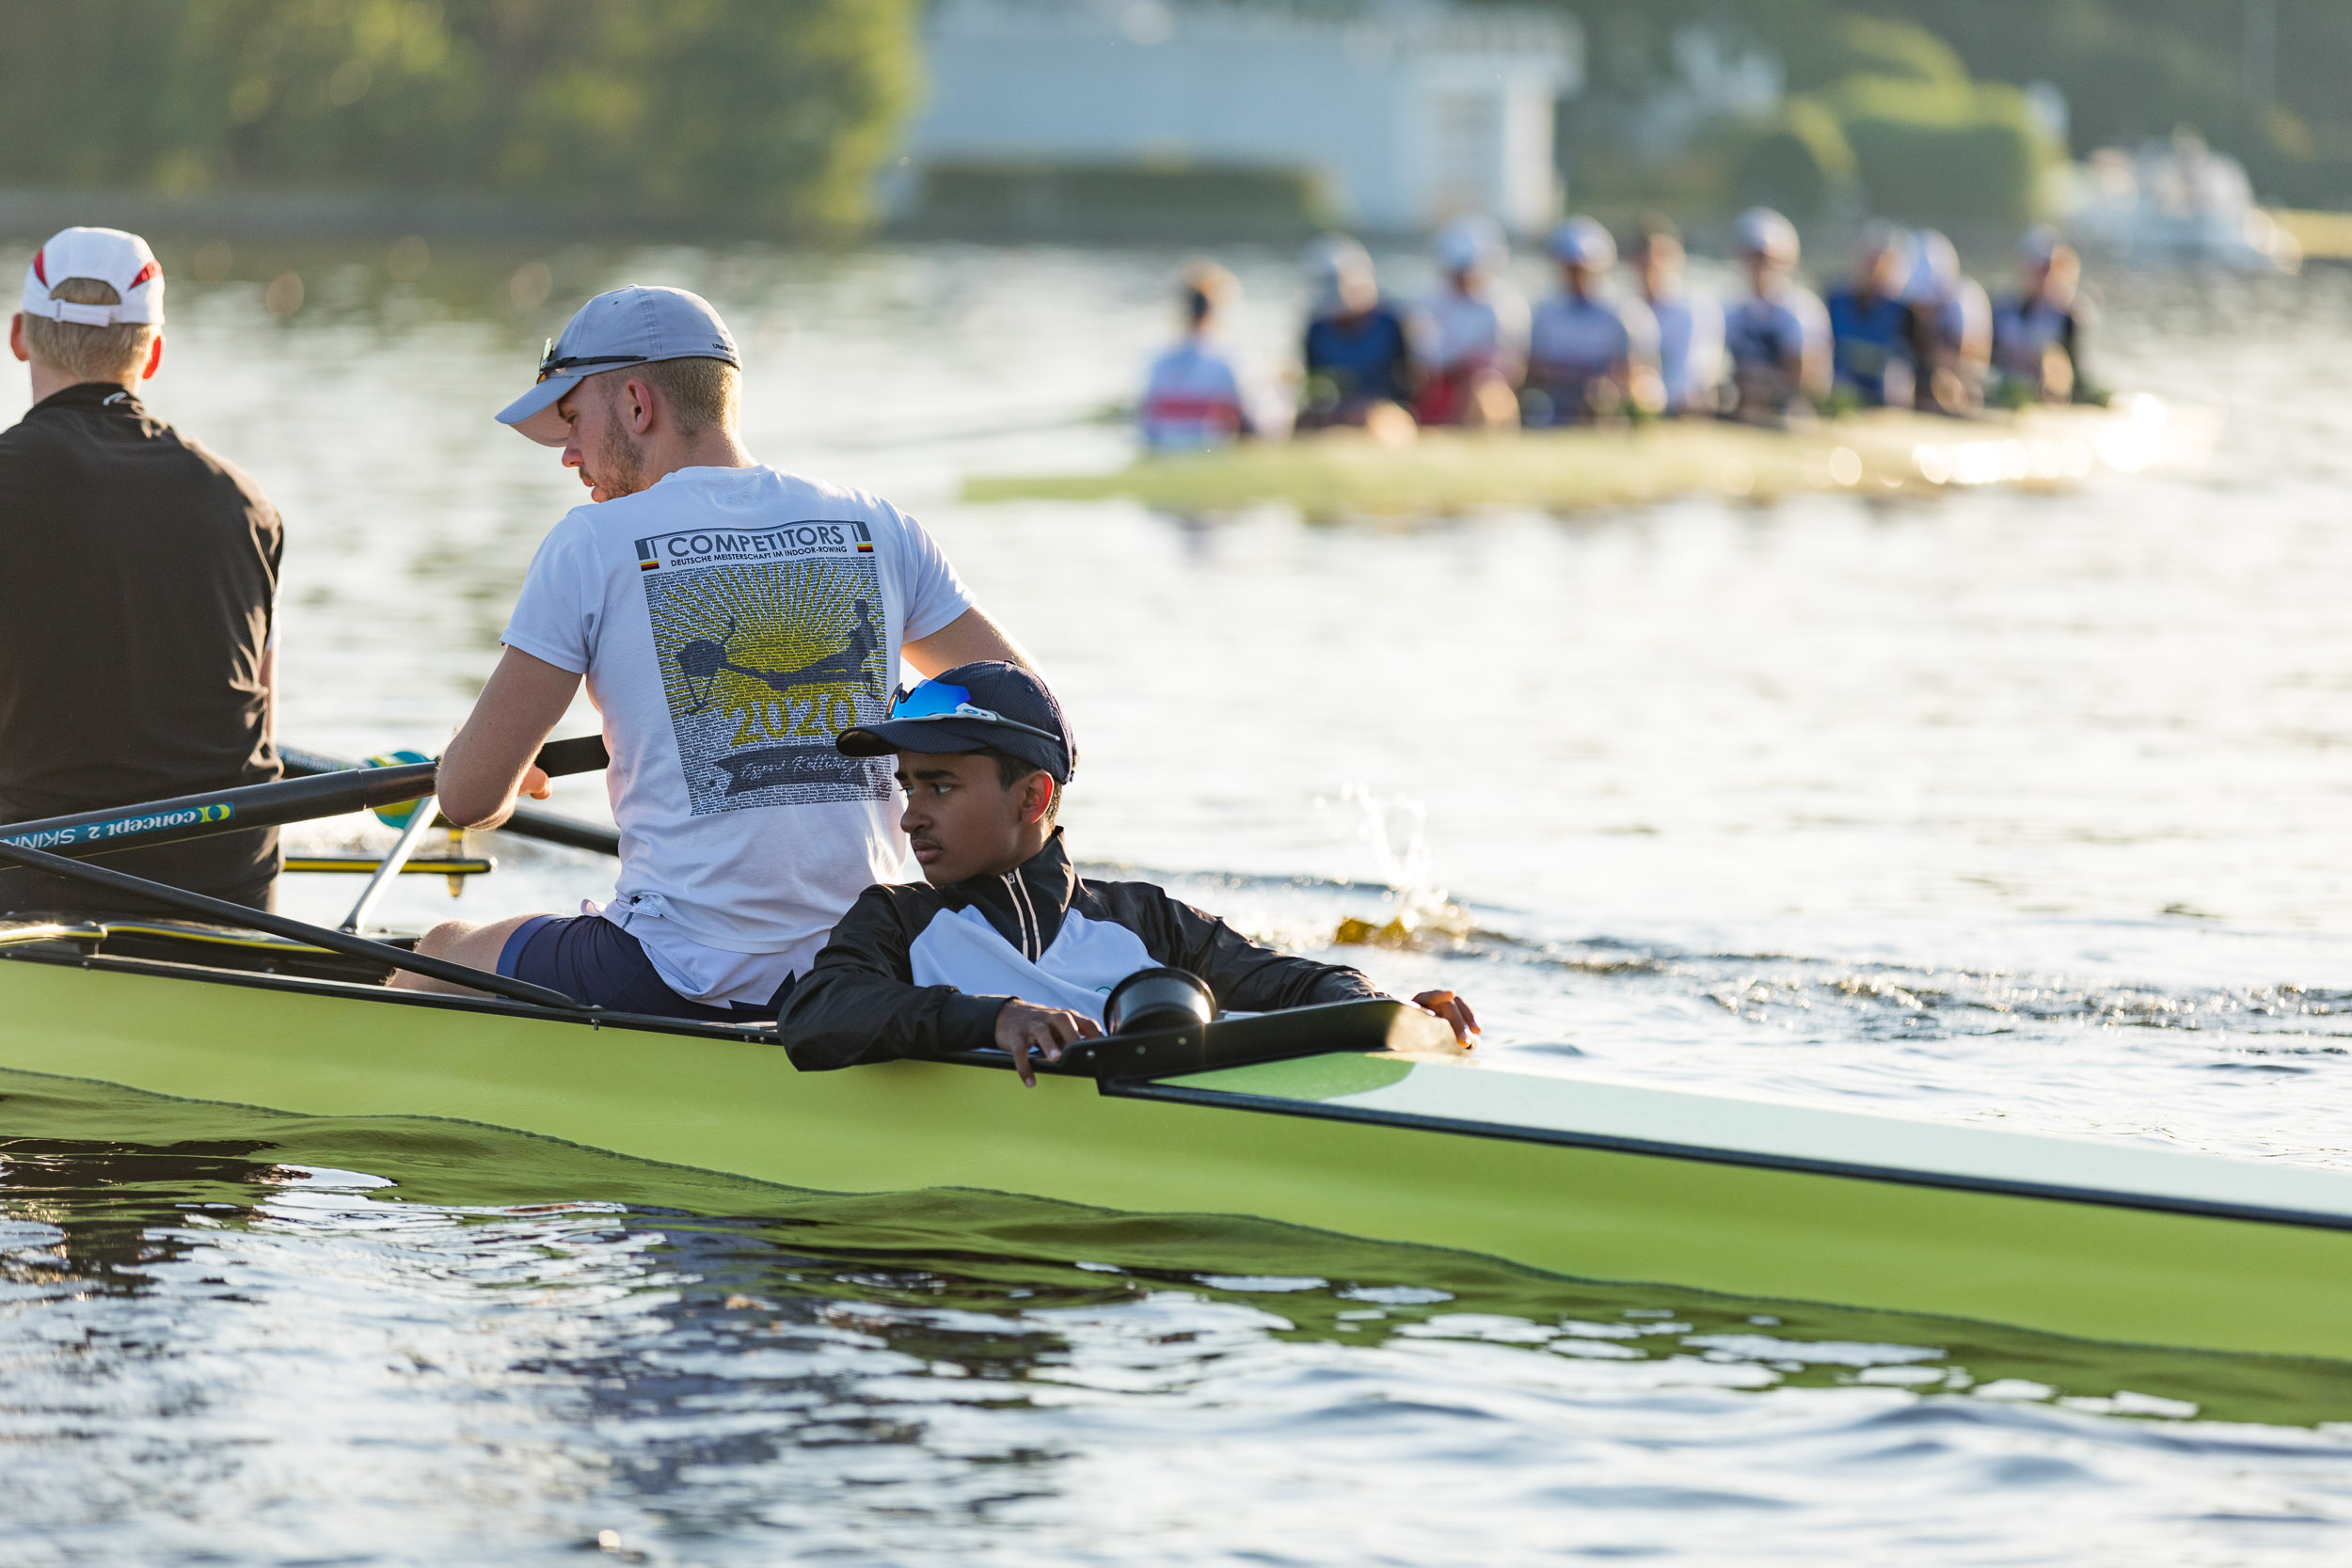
935 700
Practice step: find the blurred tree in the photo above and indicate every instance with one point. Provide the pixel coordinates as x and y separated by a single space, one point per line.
1802 163
765 114
2263 79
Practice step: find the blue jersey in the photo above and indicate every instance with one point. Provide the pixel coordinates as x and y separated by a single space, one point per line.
1872 346
1777 330
1575 342
1363 359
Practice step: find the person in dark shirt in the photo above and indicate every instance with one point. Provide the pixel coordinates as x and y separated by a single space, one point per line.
1003 943
136 607
1360 363
1875 341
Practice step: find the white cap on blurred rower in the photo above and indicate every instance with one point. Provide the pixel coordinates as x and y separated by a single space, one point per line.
1471 241
1581 242
633 326
108 255
1764 232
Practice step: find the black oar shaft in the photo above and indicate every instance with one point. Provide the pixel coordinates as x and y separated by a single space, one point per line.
221 811
279 926
318 791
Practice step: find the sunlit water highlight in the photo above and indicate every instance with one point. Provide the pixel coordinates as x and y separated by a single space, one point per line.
1995 807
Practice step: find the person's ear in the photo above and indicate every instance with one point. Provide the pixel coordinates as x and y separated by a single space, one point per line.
16 338
154 358
1037 798
641 401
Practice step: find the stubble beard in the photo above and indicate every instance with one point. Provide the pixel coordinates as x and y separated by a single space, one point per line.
620 464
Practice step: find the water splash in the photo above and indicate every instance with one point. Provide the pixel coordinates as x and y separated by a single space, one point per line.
1394 829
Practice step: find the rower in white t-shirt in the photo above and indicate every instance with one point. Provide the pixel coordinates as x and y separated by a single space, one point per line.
1192 397
730 621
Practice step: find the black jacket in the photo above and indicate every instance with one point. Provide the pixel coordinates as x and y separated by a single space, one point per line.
1039 928
137 573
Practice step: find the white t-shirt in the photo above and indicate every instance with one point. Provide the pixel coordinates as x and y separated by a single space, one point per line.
1689 349
731 622
1455 331
1192 398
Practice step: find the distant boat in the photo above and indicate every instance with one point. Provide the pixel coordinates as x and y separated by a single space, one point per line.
1443 472
2177 202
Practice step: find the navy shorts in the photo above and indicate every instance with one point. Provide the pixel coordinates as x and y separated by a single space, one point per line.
588 958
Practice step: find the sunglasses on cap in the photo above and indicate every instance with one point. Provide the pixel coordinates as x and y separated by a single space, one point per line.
939 699
550 365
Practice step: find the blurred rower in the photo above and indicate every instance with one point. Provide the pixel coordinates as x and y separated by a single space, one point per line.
1956 327
1359 366
1192 398
1589 356
138 605
1470 335
1875 347
2037 334
1689 326
1778 337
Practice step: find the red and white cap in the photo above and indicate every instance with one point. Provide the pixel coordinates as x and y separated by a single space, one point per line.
108 255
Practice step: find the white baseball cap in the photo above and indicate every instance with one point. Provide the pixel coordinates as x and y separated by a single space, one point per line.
1473 240
1583 242
108 255
1337 268
1764 232
631 325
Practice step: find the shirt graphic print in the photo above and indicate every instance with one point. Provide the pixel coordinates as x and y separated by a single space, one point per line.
771 644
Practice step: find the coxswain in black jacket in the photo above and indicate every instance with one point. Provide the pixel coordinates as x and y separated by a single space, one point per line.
915 969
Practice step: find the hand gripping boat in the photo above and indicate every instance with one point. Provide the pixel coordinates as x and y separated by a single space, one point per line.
1358 1119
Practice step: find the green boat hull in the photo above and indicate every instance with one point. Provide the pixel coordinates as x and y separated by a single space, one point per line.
1303 1144
1879 453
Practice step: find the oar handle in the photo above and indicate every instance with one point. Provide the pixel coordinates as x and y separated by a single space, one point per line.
278 924
581 754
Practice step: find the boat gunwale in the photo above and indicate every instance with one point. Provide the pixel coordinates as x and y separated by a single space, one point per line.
358 992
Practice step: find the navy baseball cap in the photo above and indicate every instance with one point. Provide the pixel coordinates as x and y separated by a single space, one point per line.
970 706
634 325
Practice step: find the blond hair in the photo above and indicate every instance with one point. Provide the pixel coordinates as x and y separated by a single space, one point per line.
116 353
701 393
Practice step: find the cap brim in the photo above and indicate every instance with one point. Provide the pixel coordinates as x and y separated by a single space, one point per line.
926 734
534 414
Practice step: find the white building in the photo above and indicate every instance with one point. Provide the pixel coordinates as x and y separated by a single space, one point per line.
1407 111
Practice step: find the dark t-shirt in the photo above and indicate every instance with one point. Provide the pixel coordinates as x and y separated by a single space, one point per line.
137 576
1365 359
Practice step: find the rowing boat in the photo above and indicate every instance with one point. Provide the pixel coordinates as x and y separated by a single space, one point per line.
1350 1120
1360 1119
1883 452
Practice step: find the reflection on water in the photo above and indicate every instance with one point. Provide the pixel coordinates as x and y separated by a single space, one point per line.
271 1360
1992 807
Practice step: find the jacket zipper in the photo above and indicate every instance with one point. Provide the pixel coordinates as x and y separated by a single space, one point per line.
1025 913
